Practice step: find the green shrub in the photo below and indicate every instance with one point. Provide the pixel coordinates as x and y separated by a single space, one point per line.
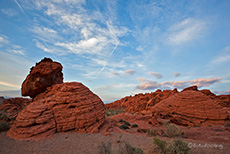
161 145
177 147
105 148
134 125
227 125
4 126
173 131
127 123
151 132
127 148
121 120
124 127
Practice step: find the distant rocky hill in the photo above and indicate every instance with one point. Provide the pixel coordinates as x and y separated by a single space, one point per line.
144 102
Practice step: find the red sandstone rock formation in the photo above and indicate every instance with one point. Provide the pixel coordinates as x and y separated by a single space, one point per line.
13 106
224 100
191 108
44 74
141 102
195 88
62 107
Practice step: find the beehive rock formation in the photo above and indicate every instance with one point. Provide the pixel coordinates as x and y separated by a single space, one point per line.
62 107
191 108
44 74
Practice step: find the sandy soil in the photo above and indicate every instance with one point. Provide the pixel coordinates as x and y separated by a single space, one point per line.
72 142
210 140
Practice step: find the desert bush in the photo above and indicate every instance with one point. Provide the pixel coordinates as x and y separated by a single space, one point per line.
105 148
127 123
4 126
151 132
161 145
227 125
121 120
173 131
177 147
111 112
134 125
127 148
124 127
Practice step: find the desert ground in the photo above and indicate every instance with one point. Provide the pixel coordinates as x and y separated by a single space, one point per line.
211 139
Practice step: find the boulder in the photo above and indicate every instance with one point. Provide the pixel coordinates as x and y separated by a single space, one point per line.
191 108
46 73
62 107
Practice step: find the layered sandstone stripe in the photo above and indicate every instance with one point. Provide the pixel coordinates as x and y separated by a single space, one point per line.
191 108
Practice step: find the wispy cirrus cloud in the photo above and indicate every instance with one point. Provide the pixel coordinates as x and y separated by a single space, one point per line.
224 57
90 34
3 40
201 82
185 31
15 49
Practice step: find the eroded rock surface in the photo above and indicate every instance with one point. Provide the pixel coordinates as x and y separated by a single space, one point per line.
62 107
191 108
46 73
141 102
13 106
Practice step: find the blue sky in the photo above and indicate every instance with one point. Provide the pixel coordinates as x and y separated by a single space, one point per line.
118 48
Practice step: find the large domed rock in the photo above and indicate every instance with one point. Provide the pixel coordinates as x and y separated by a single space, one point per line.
191 108
44 74
62 107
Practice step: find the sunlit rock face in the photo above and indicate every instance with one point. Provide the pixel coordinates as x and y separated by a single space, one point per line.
191 108
56 106
45 73
141 102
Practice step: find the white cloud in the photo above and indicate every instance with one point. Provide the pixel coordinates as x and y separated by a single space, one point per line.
201 82
45 34
88 34
156 75
130 72
20 52
185 31
3 40
224 57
